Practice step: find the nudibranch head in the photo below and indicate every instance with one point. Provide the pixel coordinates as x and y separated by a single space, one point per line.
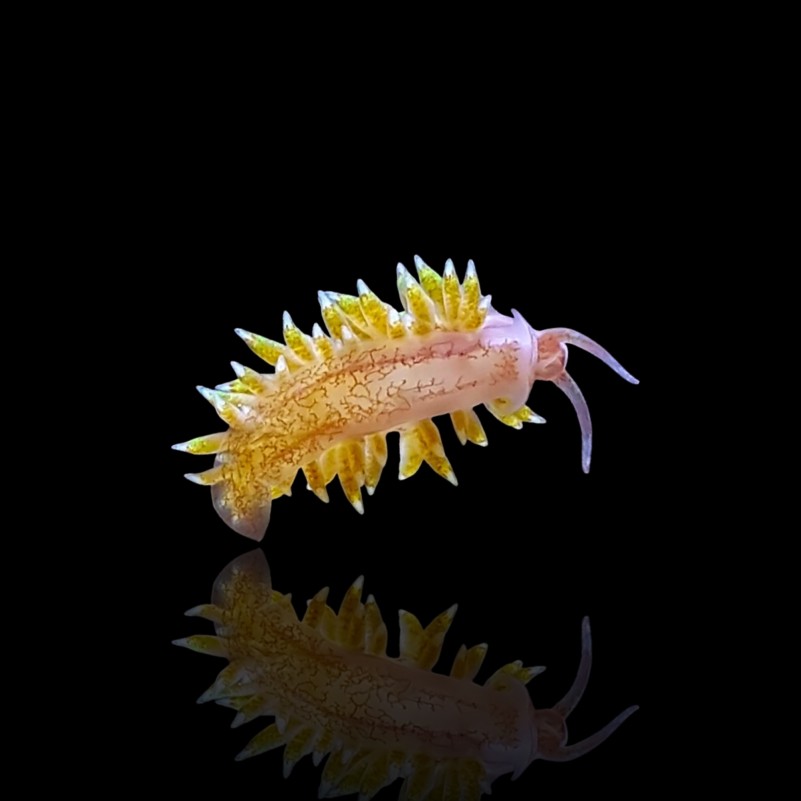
551 724
551 364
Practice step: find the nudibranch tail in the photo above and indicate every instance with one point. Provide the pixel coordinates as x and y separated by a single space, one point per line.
551 367
551 723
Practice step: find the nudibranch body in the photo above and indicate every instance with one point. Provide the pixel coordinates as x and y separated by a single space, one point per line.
332 399
333 690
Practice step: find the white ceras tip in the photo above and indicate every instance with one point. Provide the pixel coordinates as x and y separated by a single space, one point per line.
403 274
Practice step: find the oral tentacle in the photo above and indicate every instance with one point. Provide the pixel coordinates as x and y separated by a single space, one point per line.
571 389
573 695
571 337
567 752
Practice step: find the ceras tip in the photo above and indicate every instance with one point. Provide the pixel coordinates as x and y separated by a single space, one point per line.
404 278
205 697
321 493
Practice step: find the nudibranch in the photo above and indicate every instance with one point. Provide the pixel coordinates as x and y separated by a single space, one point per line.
331 401
333 690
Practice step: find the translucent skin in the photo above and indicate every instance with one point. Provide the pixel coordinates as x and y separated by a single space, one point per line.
332 688
370 388
332 400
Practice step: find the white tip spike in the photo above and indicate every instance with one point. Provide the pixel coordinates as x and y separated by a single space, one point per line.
321 493
223 407
405 280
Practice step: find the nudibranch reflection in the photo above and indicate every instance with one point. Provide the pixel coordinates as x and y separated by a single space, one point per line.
334 691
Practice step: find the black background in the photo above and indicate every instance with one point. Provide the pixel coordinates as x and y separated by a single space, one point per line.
526 544
571 225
